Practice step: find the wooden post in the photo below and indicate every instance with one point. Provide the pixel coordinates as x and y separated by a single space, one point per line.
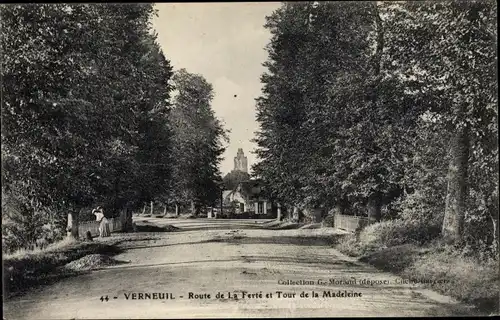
152 208
278 216
295 214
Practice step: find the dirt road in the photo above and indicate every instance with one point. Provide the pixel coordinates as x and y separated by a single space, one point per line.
231 257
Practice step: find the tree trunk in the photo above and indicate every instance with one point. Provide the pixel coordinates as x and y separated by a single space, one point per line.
221 202
72 229
176 209
380 42
152 208
165 210
126 220
495 234
144 209
454 213
494 220
278 212
130 221
374 207
123 219
193 208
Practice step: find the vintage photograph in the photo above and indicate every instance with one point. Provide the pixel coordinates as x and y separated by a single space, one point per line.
249 159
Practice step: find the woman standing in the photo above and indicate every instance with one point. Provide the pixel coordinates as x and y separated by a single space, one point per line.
104 230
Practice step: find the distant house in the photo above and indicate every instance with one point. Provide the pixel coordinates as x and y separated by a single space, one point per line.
248 196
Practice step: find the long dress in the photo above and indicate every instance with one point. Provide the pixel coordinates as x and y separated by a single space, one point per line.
104 230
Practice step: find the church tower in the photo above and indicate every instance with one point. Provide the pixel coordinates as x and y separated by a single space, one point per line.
240 161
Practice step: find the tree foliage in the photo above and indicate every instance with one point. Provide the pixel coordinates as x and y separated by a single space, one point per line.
232 179
367 103
198 138
78 130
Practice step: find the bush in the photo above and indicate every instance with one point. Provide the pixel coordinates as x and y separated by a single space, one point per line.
26 225
393 259
329 221
245 215
388 234
348 244
398 232
422 205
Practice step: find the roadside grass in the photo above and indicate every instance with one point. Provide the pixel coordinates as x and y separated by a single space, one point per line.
19 253
25 269
435 265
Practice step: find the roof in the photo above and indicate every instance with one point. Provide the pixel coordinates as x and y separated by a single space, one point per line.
225 193
251 188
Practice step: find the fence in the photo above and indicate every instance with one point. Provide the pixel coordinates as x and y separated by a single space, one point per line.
115 225
351 223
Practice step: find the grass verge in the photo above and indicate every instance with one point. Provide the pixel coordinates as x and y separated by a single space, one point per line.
24 270
436 266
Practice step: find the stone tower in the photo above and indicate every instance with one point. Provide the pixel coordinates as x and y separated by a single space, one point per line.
240 161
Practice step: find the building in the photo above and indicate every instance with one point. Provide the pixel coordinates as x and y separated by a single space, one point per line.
240 161
246 195
250 197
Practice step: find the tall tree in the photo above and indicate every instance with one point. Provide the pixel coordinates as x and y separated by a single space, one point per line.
447 48
319 98
70 134
197 147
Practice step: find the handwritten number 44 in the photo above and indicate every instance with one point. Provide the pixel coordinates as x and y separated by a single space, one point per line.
104 298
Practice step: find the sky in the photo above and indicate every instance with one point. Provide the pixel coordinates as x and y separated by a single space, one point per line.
223 42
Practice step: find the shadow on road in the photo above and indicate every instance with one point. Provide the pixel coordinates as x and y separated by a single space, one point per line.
156 225
170 244
220 227
310 261
239 239
288 240
155 228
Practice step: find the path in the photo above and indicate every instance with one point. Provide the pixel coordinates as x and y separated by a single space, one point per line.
210 256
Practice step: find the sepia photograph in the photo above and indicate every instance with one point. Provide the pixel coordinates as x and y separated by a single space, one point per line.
249 159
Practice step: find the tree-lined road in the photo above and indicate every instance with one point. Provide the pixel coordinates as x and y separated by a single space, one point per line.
210 256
